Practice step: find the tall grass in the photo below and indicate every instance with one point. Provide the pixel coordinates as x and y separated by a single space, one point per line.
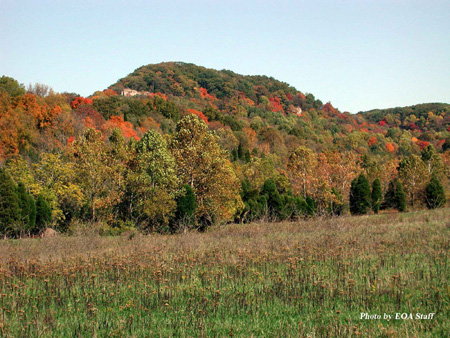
307 279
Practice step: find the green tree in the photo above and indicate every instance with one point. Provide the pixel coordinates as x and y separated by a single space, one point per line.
434 192
10 211
56 175
101 173
376 195
399 197
360 195
240 152
389 201
152 183
433 162
186 205
253 203
273 199
28 209
11 86
43 214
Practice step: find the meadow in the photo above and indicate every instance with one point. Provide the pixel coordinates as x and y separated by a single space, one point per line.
309 278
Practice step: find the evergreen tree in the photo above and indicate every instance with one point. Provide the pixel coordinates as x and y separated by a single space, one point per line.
310 206
376 195
399 197
360 195
274 200
435 196
389 195
247 156
353 200
28 209
186 205
254 204
234 155
240 152
43 214
9 203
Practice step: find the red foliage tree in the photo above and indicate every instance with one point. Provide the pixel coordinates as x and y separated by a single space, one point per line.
83 112
275 104
205 95
78 101
199 114
423 144
328 107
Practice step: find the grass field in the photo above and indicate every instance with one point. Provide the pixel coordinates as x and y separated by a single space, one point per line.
306 279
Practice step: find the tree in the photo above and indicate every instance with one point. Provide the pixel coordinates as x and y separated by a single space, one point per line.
253 203
186 205
57 176
434 192
43 214
389 196
101 172
376 195
301 165
414 175
274 202
204 166
10 211
28 209
151 183
433 162
399 197
360 195
11 86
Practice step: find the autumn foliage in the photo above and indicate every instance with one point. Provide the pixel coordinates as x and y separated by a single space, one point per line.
199 114
79 100
125 127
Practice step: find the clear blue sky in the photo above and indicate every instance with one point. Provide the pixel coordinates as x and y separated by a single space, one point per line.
358 54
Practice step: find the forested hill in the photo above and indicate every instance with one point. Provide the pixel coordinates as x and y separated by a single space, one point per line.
185 79
427 116
225 146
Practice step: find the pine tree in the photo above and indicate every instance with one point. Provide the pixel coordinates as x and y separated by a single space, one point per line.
389 201
354 196
186 205
9 203
399 197
240 152
435 196
360 195
247 156
376 195
43 214
274 201
28 208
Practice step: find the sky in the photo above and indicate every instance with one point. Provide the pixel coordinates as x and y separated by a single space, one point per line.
357 54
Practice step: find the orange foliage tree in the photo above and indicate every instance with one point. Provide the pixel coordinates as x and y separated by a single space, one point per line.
125 127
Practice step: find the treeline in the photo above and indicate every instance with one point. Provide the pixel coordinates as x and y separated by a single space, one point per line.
166 183
160 162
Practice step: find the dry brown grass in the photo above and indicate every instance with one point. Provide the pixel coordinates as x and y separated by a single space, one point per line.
361 233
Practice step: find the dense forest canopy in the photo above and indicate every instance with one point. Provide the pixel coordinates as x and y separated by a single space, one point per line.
178 145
